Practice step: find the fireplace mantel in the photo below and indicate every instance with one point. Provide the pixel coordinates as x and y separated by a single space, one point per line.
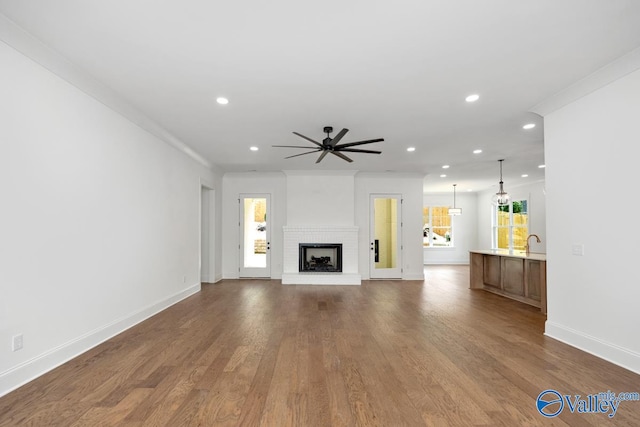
346 235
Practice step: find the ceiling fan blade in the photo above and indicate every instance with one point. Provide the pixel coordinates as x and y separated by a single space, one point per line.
293 146
302 154
353 144
342 156
357 150
339 136
308 139
324 153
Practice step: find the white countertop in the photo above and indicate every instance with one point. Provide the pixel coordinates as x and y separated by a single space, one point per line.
513 254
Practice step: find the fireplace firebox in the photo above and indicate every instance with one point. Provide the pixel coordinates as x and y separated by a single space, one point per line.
320 257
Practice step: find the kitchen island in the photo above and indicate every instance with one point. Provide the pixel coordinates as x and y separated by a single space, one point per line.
514 274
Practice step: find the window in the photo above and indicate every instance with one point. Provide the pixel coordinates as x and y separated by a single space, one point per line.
437 230
511 225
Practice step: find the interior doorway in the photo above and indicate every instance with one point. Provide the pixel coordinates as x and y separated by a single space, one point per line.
207 235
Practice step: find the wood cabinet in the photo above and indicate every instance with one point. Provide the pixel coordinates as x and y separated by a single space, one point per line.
512 272
518 276
536 281
491 274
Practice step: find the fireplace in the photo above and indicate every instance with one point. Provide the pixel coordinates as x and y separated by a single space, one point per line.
346 236
320 257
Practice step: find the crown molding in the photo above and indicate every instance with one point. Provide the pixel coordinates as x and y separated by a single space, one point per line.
611 72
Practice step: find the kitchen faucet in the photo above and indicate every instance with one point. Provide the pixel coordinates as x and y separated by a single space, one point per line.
526 247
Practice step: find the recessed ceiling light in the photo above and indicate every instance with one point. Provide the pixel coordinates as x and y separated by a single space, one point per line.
443 176
410 149
524 175
222 101
468 189
478 151
472 98
529 126
445 166
542 166
253 148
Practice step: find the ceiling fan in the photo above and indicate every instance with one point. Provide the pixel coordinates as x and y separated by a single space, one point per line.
330 145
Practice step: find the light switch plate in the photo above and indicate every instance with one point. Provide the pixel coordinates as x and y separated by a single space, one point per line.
17 342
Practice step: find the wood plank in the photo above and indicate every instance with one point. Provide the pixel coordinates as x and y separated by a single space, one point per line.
254 352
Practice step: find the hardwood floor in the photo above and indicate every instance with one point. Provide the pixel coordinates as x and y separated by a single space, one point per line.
387 353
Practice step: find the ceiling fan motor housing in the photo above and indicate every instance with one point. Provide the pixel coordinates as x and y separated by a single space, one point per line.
327 141
332 145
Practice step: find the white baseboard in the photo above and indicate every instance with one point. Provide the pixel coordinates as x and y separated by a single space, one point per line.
605 350
29 370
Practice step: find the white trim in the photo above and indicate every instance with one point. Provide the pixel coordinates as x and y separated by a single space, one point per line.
613 353
613 71
31 369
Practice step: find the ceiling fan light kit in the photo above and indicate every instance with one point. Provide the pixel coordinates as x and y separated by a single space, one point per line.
330 145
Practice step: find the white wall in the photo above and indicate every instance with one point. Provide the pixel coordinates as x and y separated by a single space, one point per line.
472 229
99 221
590 175
234 184
320 198
410 187
465 229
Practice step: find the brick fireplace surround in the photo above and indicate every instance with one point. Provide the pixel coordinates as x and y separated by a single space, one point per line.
347 235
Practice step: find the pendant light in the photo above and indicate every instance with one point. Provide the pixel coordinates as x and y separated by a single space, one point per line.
455 211
501 198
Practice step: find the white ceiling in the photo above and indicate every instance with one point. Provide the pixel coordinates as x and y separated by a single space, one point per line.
398 70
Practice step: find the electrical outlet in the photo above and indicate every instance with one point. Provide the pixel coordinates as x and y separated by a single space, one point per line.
17 342
577 249
184 279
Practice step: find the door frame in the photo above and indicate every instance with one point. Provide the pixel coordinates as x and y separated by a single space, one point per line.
207 264
254 272
386 273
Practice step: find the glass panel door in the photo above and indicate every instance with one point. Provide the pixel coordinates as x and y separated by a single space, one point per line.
385 241
254 236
